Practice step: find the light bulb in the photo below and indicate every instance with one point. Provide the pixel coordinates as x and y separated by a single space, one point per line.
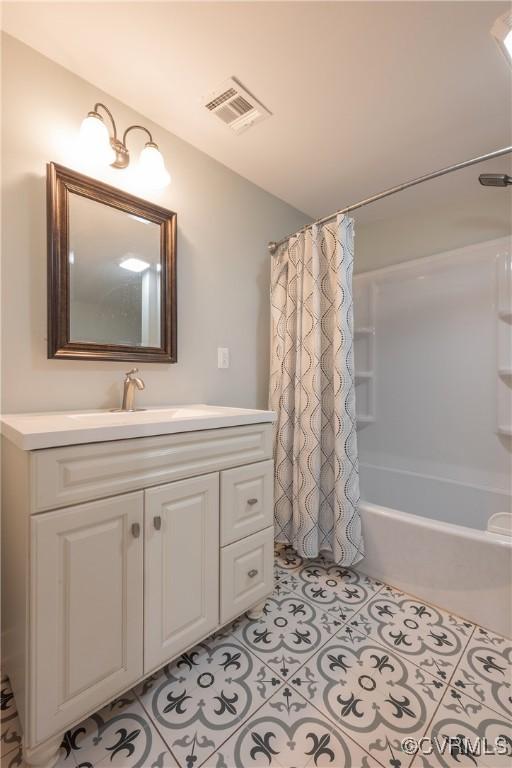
94 141
151 167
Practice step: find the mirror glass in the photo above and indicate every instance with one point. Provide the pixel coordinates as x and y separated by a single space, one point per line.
114 276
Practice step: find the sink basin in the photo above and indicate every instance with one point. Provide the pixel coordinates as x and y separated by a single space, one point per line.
32 431
146 415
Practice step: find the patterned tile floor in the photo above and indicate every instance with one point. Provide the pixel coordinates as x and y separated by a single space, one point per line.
338 671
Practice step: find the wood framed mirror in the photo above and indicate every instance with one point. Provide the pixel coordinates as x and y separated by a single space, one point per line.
111 272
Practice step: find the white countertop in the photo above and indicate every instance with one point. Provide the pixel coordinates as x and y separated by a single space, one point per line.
31 431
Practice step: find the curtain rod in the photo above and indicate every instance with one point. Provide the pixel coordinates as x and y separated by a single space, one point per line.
273 246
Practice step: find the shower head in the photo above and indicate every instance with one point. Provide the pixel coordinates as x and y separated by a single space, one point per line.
494 179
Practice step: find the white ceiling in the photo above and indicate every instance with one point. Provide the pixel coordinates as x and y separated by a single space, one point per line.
363 94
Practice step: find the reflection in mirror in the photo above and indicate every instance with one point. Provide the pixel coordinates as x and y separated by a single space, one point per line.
114 275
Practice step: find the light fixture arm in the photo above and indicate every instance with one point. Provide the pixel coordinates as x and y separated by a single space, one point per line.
122 153
111 116
137 127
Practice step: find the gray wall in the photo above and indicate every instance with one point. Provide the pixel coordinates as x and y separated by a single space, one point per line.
224 223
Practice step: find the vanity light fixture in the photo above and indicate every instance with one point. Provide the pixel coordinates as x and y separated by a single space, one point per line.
133 264
502 33
102 148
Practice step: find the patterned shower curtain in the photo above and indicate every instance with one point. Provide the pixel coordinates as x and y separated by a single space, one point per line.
312 389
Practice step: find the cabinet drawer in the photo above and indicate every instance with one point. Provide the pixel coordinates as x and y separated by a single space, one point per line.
62 476
246 574
246 500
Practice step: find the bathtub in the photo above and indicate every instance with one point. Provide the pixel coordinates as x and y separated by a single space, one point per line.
463 569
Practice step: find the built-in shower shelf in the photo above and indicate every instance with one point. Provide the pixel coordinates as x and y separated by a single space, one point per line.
504 340
364 350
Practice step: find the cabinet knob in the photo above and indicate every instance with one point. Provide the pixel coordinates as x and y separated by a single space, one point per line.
252 573
157 522
135 530
252 501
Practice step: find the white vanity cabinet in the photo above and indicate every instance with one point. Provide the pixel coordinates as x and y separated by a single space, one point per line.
120 555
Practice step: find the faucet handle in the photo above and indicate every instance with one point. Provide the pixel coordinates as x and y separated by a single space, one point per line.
132 372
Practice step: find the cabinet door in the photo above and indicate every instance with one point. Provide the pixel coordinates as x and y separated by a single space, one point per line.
182 566
247 495
86 608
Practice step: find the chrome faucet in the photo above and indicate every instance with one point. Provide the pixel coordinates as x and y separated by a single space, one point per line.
130 382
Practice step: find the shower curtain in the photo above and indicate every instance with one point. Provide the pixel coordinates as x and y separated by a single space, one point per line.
312 389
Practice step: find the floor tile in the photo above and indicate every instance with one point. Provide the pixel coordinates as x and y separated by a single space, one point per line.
462 728
341 591
429 637
287 731
197 702
485 671
290 630
286 565
284 580
121 735
371 693
10 738
286 558
336 671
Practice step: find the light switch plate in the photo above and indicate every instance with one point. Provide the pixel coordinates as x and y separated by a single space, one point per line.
222 357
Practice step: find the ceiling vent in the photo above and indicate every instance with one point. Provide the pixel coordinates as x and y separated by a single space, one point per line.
235 106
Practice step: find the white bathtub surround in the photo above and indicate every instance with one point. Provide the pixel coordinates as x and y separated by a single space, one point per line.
434 498
435 374
434 460
504 330
333 636
312 389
